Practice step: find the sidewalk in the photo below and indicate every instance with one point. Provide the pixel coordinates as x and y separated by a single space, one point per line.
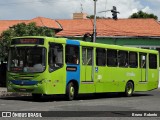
4 93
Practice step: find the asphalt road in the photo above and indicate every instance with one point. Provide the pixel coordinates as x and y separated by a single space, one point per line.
113 103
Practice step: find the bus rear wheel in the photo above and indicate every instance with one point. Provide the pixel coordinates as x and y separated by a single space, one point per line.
129 89
70 91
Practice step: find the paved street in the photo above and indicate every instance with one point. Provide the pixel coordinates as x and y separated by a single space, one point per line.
145 101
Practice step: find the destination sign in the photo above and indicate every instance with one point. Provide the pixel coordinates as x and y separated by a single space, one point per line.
71 68
28 41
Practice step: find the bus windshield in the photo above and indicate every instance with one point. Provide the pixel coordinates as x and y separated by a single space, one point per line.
27 59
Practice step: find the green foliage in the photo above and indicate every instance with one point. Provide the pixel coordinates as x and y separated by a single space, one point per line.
18 30
92 17
141 14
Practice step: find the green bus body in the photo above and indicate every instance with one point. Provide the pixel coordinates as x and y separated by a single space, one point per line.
106 78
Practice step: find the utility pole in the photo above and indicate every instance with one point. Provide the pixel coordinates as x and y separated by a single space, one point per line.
94 38
94 27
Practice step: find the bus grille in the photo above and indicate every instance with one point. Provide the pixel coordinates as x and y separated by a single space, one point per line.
24 82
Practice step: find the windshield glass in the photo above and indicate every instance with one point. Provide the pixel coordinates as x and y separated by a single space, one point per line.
27 59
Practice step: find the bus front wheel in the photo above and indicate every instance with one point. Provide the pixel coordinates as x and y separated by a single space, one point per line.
129 89
70 91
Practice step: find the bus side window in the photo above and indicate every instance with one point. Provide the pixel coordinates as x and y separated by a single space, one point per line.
133 60
100 57
112 58
72 54
123 58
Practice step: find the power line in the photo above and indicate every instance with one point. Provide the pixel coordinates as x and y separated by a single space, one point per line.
105 8
81 8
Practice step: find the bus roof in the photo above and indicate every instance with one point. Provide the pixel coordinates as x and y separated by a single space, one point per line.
91 44
83 43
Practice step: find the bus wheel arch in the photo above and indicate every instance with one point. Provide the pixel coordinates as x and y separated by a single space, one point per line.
129 88
72 90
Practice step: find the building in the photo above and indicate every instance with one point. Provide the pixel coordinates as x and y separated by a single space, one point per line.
79 15
129 32
40 21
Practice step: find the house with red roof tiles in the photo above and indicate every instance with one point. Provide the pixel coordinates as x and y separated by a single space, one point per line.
130 32
40 21
110 27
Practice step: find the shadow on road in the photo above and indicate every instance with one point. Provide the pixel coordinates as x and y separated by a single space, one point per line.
80 97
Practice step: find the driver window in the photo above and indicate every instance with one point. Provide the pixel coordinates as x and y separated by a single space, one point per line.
55 56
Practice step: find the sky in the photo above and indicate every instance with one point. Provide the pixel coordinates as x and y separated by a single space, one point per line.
64 9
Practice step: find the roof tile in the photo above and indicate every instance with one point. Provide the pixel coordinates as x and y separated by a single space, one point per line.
110 27
40 21
105 27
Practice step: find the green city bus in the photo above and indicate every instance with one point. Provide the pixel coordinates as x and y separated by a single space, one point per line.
50 66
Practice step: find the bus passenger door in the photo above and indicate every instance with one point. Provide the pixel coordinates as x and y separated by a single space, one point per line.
143 67
87 64
72 61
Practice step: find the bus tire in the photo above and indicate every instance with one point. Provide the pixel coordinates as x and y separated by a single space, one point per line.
36 96
70 91
129 89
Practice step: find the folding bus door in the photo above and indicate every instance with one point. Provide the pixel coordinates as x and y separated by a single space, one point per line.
86 64
143 67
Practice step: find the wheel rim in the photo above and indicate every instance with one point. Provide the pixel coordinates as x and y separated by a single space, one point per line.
129 89
72 91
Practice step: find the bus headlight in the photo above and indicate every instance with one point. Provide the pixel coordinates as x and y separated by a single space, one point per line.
44 81
40 82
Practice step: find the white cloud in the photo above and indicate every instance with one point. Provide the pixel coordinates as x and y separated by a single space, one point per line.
154 6
147 9
125 7
63 9
134 10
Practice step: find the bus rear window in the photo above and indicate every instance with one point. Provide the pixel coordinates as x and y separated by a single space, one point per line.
152 61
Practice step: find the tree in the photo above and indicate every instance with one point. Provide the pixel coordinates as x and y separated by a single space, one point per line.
141 14
18 30
92 17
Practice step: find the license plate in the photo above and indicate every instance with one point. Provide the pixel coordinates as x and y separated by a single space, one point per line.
22 89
